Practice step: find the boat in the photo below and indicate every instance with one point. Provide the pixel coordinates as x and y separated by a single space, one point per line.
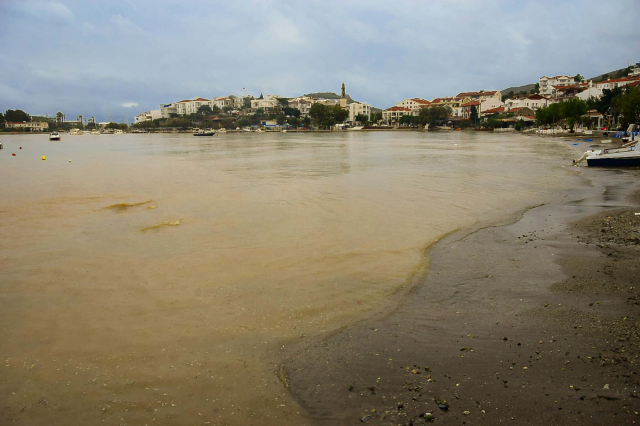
222 130
76 132
95 132
355 128
118 132
54 136
204 133
626 155
247 130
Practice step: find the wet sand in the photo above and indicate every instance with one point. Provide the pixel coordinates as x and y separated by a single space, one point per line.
532 322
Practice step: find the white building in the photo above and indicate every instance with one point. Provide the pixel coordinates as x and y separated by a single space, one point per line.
190 106
37 126
414 104
491 103
590 92
357 108
223 101
167 109
393 114
530 101
154 114
481 95
271 101
303 104
547 83
616 82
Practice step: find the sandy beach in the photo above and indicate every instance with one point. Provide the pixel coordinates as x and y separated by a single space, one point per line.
532 321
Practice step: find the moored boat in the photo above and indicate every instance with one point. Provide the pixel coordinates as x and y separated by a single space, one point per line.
624 156
204 133
54 136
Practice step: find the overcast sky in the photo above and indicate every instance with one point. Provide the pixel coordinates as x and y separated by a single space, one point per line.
122 57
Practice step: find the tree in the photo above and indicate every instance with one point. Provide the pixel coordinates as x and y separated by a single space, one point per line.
243 122
628 106
182 123
292 112
261 97
578 78
227 109
572 110
306 121
474 114
16 116
1 120
340 114
284 102
281 119
205 110
59 116
362 118
434 115
260 111
294 122
320 114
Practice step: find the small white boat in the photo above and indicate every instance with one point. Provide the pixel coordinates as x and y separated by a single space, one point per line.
118 132
76 132
222 130
355 128
95 132
246 130
259 131
54 136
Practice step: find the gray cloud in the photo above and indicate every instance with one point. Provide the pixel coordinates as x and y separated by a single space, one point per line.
148 52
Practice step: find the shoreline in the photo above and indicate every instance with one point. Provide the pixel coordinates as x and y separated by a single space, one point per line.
527 329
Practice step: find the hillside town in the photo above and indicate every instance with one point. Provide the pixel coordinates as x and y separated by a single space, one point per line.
487 109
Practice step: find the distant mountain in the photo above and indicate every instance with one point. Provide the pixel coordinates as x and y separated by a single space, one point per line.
518 89
611 74
329 95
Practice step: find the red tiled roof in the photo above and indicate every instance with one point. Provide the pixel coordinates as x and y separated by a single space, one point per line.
536 96
571 86
472 103
494 110
480 93
201 99
396 108
421 101
617 80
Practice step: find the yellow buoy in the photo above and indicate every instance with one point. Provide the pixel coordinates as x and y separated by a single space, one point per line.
44 158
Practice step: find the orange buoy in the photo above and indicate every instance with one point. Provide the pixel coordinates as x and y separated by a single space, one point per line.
14 154
20 147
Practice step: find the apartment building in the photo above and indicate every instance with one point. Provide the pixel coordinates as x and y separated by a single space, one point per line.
414 104
548 84
481 95
154 114
38 126
357 108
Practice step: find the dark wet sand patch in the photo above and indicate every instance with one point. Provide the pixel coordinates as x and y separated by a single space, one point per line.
497 332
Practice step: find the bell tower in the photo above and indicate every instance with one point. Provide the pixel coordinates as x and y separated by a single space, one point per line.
343 97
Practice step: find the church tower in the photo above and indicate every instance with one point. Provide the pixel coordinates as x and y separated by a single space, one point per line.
343 97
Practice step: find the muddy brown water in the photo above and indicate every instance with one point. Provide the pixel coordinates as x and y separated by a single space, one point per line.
155 277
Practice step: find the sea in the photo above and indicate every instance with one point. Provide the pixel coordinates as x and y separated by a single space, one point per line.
160 278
